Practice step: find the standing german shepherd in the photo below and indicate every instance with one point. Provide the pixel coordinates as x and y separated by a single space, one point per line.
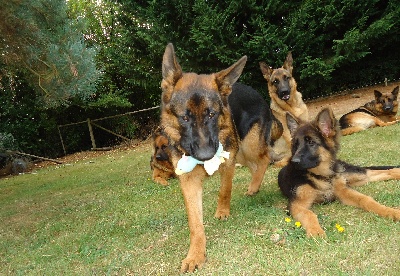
258 131
196 118
380 112
282 89
160 162
314 175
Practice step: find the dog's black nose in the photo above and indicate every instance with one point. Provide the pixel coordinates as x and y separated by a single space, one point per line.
295 160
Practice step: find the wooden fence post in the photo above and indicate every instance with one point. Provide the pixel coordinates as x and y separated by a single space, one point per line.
62 141
91 134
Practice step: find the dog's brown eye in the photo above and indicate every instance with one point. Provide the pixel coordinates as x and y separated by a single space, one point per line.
211 115
185 118
309 141
275 81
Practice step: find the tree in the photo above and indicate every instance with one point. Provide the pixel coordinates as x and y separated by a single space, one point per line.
40 40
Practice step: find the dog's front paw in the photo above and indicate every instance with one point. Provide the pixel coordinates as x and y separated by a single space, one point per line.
315 231
394 214
222 214
161 181
193 262
251 192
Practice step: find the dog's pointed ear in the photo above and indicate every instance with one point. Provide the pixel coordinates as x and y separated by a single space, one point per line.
288 64
265 70
326 122
226 78
377 94
171 70
395 91
292 123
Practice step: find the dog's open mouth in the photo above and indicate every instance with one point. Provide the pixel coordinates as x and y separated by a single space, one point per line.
285 97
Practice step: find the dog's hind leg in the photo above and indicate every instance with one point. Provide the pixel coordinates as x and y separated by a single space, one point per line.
299 208
380 175
191 186
382 123
372 175
351 197
257 175
351 130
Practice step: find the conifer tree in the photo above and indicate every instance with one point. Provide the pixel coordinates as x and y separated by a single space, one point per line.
41 42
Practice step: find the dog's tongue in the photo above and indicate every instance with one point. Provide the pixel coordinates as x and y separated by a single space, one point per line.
286 97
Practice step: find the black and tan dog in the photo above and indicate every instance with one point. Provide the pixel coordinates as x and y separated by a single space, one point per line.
380 112
258 131
315 175
160 161
197 120
282 89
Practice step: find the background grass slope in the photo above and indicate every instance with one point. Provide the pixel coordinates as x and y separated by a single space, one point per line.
105 216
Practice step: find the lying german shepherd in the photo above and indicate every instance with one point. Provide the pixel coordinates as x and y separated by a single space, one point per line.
197 120
160 162
314 175
282 89
380 112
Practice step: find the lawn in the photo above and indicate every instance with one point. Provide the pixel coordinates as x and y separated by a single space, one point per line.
104 216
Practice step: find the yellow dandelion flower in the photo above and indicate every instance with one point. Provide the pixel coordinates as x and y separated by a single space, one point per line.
297 223
339 228
288 219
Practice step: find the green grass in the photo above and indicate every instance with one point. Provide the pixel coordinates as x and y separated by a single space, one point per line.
105 216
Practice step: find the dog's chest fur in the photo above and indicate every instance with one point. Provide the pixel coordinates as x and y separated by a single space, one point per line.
323 185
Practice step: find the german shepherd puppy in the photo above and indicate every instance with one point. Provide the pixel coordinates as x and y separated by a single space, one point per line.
315 175
258 130
282 89
380 112
196 117
160 162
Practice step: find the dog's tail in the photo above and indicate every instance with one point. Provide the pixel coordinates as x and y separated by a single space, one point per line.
381 168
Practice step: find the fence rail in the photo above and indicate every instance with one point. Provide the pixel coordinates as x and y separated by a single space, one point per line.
91 124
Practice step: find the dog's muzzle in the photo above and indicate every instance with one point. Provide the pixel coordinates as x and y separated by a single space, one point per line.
284 95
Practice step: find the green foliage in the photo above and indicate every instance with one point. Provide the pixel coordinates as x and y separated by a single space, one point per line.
28 123
110 100
38 38
7 141
326 39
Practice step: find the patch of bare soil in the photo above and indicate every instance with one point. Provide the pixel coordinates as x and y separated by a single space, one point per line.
90 154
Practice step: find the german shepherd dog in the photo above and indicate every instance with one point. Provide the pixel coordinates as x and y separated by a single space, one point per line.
160 162
380 112
196 118
258 130
314 175
282 89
